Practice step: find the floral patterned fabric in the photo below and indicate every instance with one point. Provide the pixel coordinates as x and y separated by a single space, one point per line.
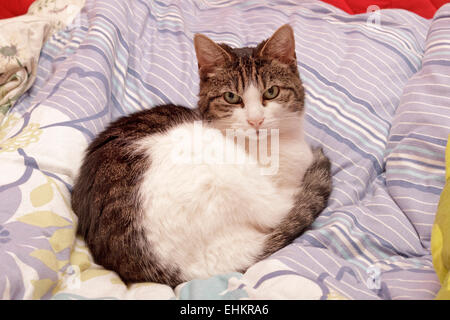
21 40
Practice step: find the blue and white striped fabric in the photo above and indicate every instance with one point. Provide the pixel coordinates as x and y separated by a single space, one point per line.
377 100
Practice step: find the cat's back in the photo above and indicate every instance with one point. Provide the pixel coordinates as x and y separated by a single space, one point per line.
163 196
111 158
104 195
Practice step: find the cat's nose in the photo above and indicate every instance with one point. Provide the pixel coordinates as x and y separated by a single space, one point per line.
256 123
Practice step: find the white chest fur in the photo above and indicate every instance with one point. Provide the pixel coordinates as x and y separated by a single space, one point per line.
208 216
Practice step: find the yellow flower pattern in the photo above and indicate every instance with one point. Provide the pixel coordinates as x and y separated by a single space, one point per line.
8 124
62 236
29 134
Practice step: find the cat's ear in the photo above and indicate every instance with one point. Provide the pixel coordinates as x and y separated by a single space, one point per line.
209 54
280 46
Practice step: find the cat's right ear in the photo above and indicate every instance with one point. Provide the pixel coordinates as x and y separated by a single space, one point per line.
209 54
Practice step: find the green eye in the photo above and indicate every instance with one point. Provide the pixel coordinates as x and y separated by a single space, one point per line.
231 97
271 93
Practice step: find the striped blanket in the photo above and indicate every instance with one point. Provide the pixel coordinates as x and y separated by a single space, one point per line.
377 101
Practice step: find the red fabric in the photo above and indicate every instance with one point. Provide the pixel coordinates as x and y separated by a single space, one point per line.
12 8
424 8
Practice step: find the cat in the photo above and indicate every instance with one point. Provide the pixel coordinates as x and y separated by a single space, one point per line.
149 217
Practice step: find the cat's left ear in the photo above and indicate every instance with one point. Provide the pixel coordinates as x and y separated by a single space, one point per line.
280 46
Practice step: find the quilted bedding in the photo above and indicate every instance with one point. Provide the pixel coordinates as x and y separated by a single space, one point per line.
377 100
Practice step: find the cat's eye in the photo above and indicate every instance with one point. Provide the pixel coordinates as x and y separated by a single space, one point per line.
271 93
231 97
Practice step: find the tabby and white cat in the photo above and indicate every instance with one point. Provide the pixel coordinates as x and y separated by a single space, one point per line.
151 218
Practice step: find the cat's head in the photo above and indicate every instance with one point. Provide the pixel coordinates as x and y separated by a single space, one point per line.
248 88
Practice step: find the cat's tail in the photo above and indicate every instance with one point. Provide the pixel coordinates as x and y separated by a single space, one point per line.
310 200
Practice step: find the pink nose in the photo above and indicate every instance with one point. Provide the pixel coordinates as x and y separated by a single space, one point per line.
255 123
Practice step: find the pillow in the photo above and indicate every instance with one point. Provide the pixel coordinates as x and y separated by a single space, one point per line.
440 237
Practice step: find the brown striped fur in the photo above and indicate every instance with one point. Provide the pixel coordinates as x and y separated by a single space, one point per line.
235 69
105 196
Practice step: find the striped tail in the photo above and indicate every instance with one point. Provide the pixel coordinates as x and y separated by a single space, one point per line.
311 199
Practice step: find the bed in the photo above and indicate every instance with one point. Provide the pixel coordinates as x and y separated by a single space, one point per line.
377 100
